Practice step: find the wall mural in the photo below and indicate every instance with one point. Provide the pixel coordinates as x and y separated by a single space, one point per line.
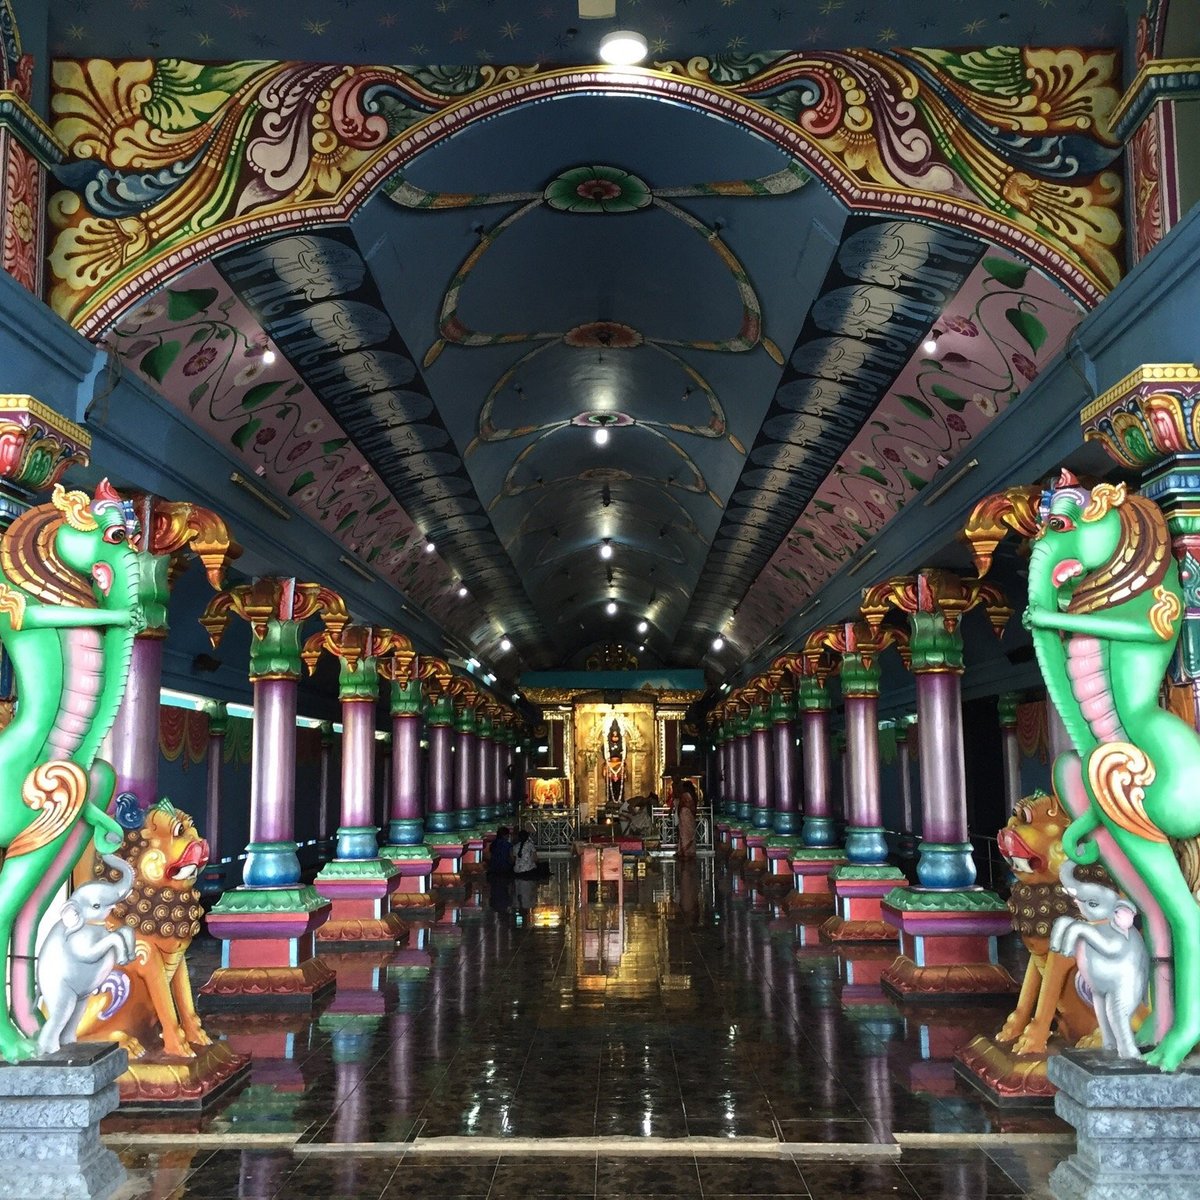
1005 323
170 161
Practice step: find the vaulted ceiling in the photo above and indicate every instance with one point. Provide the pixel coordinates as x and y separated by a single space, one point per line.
409 299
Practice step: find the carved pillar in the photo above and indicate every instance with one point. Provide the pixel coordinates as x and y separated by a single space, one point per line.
268 924
212 878
441 822
783 737
358 881
948 926
465 760
759 752
860 885
406 847
324 828
485 750
819 854
168 534
742 787
905 732
1007 705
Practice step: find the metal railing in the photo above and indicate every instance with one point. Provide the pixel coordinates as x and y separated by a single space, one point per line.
665 829
555 830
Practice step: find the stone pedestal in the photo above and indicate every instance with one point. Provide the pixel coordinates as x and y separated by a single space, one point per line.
737 844
267 955
811 868
756 850
447 853
947 944
1137 1130
1006 1078
50 1113
360 894
414 868
779 862
858 892
162 1082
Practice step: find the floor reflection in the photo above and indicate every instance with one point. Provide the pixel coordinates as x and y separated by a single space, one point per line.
664 1003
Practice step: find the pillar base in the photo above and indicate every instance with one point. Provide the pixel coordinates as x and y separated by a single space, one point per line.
50 1113
360 893
472 854
267 955
866 844
357 843
722 831
409 832
811 868
858 892
756 849
414 867
818 833
464 819
779 859
1003 1076
271 865
947 944
161 1081
737 843
447 851
949 866
762 818
786 824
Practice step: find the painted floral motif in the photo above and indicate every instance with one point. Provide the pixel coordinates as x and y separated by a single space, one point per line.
597 189
1019 134
22 200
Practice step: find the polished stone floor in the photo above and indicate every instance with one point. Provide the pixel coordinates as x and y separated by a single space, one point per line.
696 1009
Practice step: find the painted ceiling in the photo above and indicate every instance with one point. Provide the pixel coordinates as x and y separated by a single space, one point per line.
550 31
731 268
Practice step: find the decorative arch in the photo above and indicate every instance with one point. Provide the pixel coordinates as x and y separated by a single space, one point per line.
172 162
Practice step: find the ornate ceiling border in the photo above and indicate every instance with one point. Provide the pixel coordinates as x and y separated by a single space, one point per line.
172 162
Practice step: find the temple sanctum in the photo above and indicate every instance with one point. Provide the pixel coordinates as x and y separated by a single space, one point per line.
599 598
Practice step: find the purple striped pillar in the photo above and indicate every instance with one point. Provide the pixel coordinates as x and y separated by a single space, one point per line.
406 824
134 736
946 860
271 855
818 827
465 787
439 797
760 769
783 737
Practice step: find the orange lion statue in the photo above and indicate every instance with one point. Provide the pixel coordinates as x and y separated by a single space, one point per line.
163 910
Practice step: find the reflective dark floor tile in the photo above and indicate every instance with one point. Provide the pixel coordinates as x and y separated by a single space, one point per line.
544 1176
622 1175
838 1179
422 1175
752 1175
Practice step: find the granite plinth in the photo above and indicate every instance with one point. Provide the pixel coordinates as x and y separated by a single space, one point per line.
1137 1129
50 1113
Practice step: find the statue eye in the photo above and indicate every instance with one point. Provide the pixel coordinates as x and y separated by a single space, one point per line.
1024 816
114 535
178 830
1060 523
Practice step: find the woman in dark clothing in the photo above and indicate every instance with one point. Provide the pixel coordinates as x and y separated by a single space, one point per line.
500 860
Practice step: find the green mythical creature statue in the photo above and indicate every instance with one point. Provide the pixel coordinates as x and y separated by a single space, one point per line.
68 615
1104 610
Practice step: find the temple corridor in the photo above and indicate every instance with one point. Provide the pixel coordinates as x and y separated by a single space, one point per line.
693 1040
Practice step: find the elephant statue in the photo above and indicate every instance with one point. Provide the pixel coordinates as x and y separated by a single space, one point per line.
79 954
1114 968
1105 606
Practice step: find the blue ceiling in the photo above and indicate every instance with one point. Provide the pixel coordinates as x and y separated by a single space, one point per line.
454 32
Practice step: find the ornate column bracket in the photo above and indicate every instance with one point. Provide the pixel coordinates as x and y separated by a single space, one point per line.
269 923
948 903
1014 510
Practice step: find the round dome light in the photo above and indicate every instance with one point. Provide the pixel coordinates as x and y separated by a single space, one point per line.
611 608
623 48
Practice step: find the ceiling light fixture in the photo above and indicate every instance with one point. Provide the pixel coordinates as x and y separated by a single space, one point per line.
623 48
718 643
505 645
641 649
601 436
643 626
606 550
611 608
929 345
430 546
268 357
462 589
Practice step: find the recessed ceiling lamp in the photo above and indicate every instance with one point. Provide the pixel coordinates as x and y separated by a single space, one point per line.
601 436
430 546
611 608
505 645
623 48
929 345
641 649
643 626
606 550
462 589
718 643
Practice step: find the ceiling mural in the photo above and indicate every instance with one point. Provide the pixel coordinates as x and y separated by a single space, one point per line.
1003 326
454 322
550 31
205 351
171 160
